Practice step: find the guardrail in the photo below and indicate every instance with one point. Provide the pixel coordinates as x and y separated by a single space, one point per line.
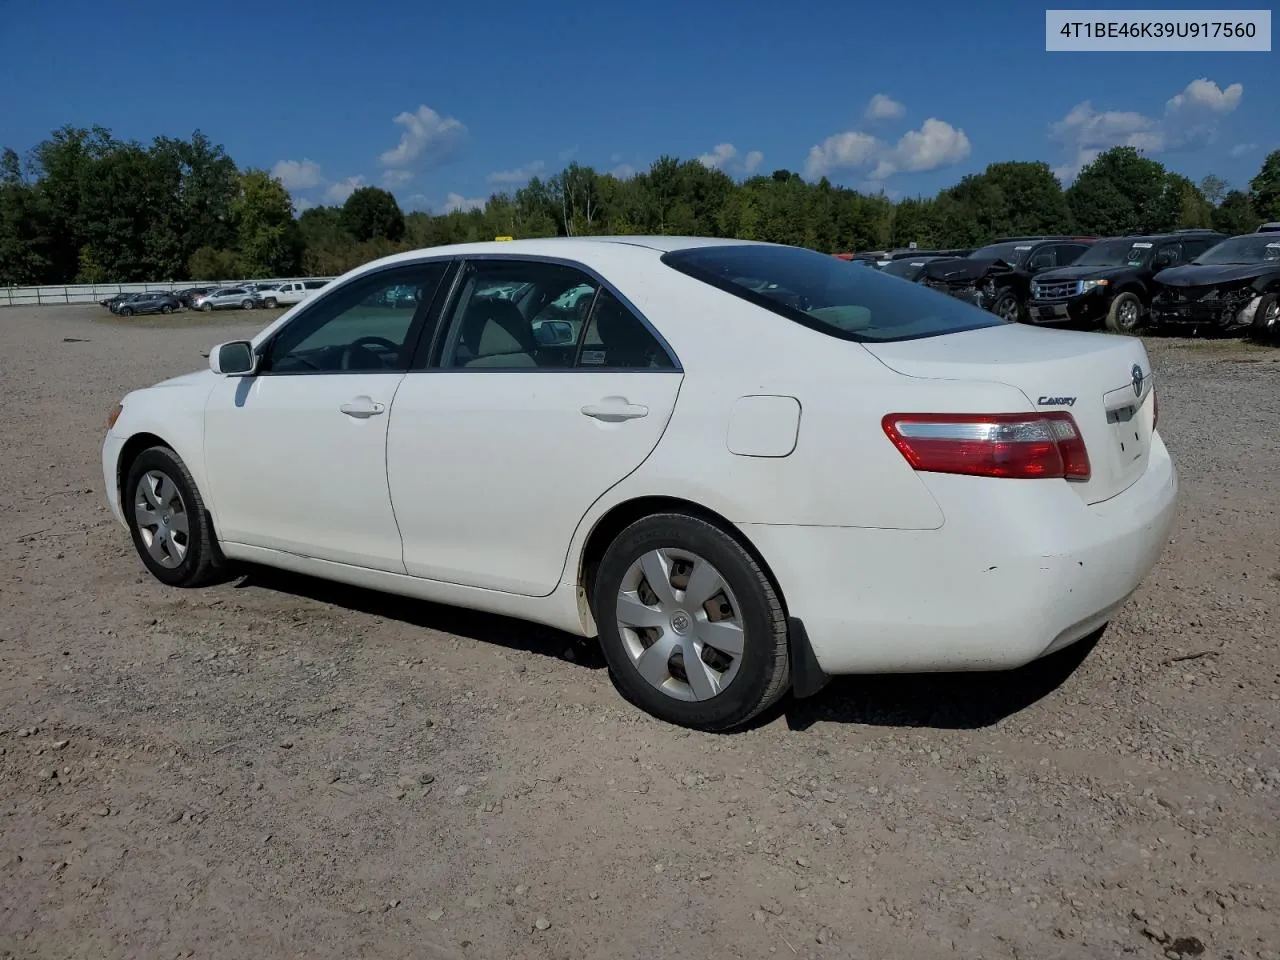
64 294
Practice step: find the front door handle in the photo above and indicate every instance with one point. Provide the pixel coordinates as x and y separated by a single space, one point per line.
615 410
362 408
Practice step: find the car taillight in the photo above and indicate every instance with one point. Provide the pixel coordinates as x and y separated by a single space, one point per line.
1155 408
1019 445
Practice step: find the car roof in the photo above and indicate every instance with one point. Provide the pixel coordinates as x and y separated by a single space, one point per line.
568 247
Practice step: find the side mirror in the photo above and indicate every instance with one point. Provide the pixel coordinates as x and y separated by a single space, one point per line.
233 359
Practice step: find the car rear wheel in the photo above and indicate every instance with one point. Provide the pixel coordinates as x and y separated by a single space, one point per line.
691 626
1006 307
171 528
1266 319
1125 315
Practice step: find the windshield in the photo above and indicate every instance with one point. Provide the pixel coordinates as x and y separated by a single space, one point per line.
1011 253
822 293
1116 253
907 269
1248 249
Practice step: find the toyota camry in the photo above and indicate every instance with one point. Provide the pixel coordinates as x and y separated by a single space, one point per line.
744 467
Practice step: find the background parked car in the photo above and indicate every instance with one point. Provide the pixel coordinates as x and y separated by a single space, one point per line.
228 298
188 295
997 277
909 268
143 303
1232 285
291 292
1114 280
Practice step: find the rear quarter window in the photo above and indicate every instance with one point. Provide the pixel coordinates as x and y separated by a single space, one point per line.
827 294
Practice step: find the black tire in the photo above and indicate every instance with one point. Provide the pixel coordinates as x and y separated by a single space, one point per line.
246 304
763 674
166 309
1126 313
125 312
269 303
203 562
1265 327
206 307
1006 306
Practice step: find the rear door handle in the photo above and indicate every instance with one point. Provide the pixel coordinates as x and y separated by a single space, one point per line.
615 410
362 408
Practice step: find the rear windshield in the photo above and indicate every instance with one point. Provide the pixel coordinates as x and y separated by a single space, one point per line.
829 295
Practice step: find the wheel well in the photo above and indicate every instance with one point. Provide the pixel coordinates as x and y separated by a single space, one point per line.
129 452
624 514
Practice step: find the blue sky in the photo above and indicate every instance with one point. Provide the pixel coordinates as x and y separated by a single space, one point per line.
446 103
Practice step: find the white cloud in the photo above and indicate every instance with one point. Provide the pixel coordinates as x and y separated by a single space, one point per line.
1240 149
936 144
623 171
298 174
341 189
518 175
457 202
391 179
427 138
302 203
883 107
725 157
1190 120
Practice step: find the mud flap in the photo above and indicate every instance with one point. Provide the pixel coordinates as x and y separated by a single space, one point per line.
807 677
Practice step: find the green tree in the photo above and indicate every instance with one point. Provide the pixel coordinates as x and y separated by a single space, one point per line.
1122 192
1214 188
209 263
1235 214
372 212
268 239
1264 189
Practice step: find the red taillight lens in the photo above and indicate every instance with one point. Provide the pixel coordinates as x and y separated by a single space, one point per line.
1019 445
1155 408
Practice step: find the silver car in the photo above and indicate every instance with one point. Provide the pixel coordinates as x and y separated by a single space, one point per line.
228 298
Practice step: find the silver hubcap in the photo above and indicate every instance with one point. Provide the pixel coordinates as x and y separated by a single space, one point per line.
162 518
1009 309
1128 313
680 624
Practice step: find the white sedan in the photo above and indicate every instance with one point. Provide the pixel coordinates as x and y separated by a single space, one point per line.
748 468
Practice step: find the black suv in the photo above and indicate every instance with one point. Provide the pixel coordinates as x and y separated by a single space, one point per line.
1232 285
1114 282
997 277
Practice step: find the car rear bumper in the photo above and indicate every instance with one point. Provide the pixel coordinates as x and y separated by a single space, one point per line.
1019 570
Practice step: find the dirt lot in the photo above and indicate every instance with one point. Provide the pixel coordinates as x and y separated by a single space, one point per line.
280 767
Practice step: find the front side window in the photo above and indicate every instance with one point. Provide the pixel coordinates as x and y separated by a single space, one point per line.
1014 253
361 327
822 293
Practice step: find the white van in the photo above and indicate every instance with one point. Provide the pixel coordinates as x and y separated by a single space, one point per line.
290 292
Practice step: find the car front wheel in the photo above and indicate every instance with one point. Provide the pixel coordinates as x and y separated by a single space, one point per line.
691 626
1125 314
1266 319
171 528
1006 307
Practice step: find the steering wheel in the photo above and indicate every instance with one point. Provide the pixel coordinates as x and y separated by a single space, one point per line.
363 343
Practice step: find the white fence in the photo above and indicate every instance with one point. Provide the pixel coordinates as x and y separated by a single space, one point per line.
56 295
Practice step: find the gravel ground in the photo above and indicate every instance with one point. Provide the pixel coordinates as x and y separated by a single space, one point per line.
282 767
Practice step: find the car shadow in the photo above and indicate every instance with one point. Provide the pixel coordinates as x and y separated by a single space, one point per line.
517 635
944 701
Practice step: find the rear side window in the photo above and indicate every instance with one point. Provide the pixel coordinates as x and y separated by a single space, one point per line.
827 294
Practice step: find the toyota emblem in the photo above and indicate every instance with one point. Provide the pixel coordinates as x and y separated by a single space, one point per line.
1137 380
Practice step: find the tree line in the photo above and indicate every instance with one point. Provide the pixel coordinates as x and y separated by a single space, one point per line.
85 207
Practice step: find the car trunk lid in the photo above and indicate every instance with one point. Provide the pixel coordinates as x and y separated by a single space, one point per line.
1105 382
